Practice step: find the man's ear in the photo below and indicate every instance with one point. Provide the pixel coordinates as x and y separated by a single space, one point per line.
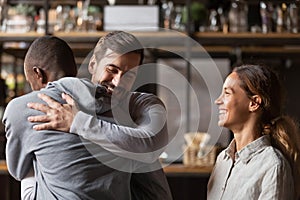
255 103
92 64
40 75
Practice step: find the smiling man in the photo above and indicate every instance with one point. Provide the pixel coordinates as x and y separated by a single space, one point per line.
131 139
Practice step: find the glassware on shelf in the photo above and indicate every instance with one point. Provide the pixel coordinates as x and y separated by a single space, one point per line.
266 12
281 18
19 18
176 21
2 12
238 16
167 12
214 22
294 17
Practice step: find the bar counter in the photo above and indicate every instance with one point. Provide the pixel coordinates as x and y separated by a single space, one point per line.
182 170
170 170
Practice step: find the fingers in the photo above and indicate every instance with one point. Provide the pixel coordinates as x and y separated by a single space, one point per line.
39 106
49 101
57 116
39 118
71 103
68 99
45 126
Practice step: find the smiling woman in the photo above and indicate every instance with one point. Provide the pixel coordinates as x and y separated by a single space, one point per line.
233 104
262 161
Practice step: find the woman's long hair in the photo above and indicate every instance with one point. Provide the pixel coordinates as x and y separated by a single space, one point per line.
283 130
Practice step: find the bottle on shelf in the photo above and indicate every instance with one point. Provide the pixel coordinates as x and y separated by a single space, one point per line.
266 12
294 17
238 16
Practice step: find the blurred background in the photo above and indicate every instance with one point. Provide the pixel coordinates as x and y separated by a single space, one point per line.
224 34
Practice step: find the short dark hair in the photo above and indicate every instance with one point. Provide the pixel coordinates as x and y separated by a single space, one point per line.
52 54
119 42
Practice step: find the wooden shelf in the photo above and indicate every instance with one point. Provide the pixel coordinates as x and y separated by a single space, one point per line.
246 35
182 170
165 37
19 37
162 37
164 42
240 39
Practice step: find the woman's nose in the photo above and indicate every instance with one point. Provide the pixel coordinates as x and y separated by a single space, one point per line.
218 100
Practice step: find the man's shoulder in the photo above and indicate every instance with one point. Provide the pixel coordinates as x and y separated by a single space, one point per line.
70 83
18 101
17 107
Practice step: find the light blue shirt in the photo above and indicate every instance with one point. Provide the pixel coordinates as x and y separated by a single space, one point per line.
258 171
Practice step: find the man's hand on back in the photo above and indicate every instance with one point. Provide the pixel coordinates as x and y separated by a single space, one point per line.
57 116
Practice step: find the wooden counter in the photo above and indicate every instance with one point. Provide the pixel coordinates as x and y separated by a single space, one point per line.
173 169
182 170
3 167
187 182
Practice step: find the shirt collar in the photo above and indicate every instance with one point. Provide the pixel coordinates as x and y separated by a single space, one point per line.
230 151
249 151
102 100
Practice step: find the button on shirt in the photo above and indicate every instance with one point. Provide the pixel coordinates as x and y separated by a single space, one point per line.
258 171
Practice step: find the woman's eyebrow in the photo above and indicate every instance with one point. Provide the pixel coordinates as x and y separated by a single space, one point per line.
228 89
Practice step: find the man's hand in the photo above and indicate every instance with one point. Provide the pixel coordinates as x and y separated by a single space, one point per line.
57 116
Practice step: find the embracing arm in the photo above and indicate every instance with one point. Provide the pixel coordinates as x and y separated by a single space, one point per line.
145 141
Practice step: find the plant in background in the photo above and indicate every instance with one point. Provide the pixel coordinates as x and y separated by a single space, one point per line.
198 15
24 9
20 18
